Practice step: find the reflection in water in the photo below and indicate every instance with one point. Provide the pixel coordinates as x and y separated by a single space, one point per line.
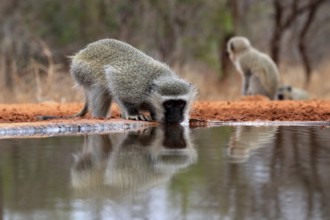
123 163
155 174
246 139
286 179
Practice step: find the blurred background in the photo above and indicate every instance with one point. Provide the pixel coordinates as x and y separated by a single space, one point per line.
37 36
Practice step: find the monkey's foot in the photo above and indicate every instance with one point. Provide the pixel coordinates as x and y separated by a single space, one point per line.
139 118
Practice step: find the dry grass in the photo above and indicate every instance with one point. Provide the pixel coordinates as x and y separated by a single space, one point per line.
37 87
29 73
209 85
211 88
53 83
318 87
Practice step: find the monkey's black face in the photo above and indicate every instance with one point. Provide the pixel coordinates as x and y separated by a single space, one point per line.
284 93
280 97
174 111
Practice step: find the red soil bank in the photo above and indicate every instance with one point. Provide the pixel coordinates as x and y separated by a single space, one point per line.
246 109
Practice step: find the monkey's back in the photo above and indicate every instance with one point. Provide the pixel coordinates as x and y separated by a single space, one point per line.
264 67
131 70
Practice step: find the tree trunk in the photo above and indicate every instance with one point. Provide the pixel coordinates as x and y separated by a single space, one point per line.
302 40
275 43
225 62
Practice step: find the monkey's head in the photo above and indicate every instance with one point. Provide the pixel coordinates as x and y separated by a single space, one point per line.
284 93
171 98
237 45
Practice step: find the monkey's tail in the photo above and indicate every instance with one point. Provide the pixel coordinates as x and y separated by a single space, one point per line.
82 113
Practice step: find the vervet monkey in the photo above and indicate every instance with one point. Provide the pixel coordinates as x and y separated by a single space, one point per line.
259 72
110 70
119 164
287 92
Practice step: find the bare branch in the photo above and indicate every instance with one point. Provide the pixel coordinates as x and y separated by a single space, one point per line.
281 24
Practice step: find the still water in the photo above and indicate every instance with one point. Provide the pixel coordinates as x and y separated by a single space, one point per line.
169 173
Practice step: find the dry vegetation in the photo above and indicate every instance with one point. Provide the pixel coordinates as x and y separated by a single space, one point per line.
211 88
62 88
36 37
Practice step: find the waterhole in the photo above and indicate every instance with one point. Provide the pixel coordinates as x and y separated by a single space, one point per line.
225 172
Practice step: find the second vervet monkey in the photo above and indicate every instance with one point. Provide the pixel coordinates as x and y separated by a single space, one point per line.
259 72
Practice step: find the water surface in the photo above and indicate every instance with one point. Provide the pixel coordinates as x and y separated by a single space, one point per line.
169 173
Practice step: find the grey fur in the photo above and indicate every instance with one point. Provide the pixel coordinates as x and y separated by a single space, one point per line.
259 72
110 70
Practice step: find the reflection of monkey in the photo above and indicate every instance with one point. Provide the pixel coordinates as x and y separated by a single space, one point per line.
259 72
249 138
287 92
121 163
110 70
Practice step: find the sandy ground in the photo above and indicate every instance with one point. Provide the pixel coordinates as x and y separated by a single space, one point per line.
247 109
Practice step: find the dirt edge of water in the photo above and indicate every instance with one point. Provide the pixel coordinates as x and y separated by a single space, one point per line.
248 109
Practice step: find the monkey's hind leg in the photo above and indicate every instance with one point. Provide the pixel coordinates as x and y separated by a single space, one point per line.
99 101
246 82
131 112
256 87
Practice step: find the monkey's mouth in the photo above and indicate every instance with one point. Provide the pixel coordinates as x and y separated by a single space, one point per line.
172 118
173 122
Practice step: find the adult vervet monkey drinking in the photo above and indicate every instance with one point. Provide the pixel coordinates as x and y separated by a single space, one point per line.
110 70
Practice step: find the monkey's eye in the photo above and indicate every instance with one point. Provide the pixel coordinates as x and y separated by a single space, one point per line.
181 103
167 104
174 104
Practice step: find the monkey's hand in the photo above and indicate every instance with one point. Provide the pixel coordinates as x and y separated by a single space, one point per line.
139 118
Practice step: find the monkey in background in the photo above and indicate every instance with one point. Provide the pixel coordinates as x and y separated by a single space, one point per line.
119 164
110 70
287 92
259 72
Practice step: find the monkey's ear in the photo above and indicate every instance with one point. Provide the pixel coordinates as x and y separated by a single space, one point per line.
232 47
